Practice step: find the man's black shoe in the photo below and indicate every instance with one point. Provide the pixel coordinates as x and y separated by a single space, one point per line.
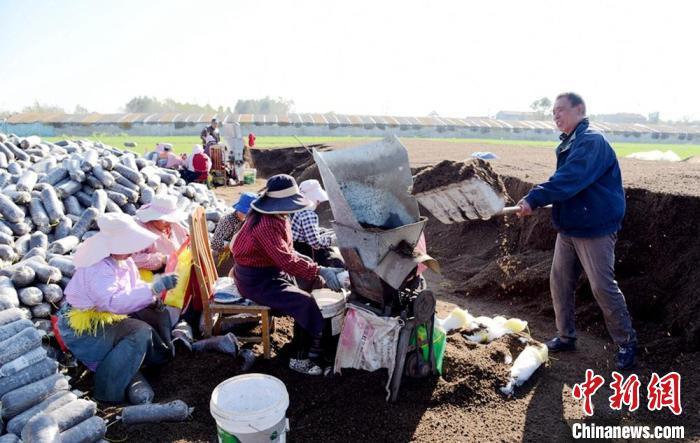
625 357
558 345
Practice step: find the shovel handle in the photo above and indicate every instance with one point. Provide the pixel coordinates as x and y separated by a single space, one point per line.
515 209
509 210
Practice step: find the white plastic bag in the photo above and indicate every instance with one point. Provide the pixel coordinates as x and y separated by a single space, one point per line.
368 342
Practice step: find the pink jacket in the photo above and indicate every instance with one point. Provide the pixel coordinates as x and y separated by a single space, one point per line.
174 161
109 286
153 257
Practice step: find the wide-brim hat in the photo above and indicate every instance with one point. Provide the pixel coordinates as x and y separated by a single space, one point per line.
244 201
161 207
119 234
313 190
281 196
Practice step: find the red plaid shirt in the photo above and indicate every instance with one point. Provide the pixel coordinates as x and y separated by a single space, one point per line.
269 244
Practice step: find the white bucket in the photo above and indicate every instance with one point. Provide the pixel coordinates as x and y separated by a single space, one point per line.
250 408
332 305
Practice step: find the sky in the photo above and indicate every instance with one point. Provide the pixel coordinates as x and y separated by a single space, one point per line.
405 58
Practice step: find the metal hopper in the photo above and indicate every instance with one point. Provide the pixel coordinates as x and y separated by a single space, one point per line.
377 224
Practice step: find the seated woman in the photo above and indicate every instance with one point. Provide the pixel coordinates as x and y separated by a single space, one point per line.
161 217
94 323
226 229
168 159
198 165
153 155
266 264
309 238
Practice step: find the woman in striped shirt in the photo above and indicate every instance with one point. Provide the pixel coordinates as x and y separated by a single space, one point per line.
266 265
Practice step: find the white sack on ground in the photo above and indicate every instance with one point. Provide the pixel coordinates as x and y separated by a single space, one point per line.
531 358
668 156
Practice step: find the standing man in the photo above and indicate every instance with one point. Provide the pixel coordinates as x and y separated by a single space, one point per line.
588 205
211 131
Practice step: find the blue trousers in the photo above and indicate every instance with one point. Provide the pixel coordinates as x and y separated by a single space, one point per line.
118 351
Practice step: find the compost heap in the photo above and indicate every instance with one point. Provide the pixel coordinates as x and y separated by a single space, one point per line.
51 195
272 161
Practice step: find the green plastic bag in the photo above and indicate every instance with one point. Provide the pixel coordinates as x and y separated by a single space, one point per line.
439 342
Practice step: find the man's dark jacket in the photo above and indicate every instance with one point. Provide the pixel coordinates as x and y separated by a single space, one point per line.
586 190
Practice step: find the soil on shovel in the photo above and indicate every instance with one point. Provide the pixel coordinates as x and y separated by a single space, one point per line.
449 172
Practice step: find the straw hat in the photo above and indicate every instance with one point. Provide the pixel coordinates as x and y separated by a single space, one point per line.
161 207
119 234
312 190
281 196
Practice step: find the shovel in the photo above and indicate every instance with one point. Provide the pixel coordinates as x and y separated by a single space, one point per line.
471 199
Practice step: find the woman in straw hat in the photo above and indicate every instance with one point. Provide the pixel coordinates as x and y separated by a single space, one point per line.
266 264
94 324
161 217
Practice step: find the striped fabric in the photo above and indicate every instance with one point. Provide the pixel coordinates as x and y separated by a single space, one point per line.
268 244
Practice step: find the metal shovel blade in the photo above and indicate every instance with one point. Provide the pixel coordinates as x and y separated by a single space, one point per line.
470 199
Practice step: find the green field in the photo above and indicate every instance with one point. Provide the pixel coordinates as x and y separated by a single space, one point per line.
184 143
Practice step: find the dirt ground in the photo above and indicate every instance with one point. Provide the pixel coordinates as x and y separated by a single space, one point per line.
497 267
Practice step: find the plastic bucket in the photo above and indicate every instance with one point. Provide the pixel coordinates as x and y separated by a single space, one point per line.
250 408
332 305
249 176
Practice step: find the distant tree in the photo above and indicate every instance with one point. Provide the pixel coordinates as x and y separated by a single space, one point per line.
228 110
5 114
151 104
654 118
79 109
541 107
43 108
434 114
143 104
265 105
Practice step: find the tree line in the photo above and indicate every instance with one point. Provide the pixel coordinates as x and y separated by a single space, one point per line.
146 104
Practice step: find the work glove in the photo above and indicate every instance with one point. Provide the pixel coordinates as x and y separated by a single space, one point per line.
330 275
164 282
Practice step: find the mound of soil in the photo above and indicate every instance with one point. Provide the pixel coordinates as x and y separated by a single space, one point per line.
448 172
269 162
657 254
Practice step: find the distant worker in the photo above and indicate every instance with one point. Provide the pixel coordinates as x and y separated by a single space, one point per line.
211 130
251 140
197 166
588 207
168 159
